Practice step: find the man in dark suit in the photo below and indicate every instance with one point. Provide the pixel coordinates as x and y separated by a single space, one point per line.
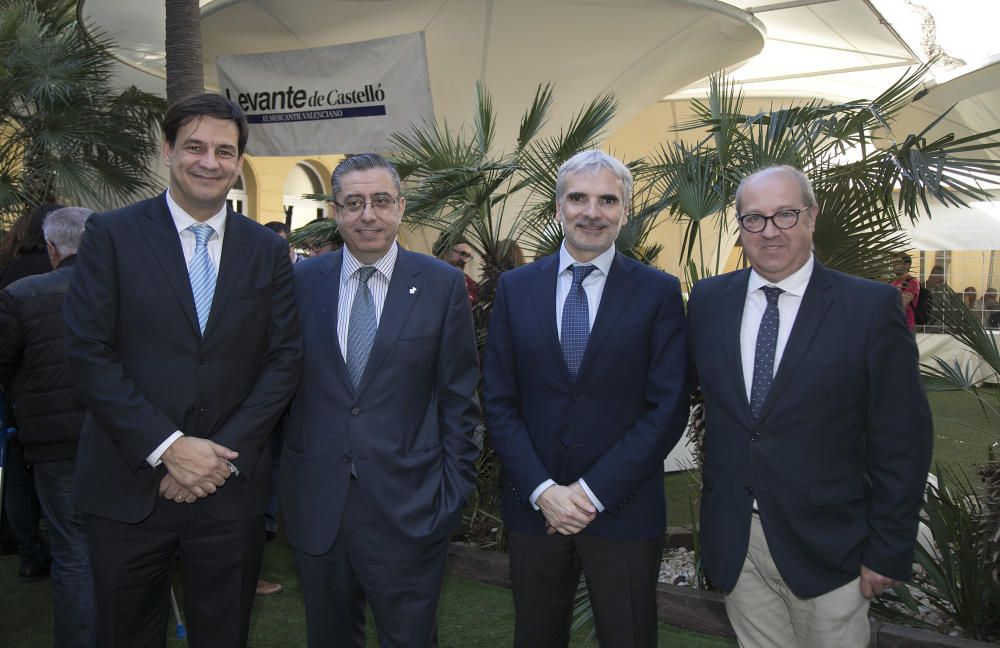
584 387
184 343
379 456
818 434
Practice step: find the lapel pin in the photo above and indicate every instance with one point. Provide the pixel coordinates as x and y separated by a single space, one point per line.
413 290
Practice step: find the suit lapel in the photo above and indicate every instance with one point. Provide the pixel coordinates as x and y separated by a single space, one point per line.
816 303
733 302
618 289
326 297
404 291
235 250
165 246
543 299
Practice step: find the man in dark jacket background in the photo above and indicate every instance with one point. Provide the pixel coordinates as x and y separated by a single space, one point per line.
49 416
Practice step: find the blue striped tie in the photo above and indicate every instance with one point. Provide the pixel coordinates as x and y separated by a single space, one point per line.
361 327
576 321
202 273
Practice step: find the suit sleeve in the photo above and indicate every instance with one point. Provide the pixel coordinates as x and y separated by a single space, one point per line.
91 309
510 437
899 440
641 450
458 405
249 427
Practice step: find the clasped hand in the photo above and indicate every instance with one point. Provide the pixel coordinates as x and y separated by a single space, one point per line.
567 509
196 468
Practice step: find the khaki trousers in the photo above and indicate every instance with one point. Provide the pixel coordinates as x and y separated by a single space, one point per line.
765 613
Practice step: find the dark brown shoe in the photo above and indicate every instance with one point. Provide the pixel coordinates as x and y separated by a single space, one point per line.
265 588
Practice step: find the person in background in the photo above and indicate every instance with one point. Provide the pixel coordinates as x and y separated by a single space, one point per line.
50 414
458 257
991 308
23 254
283 231
908 286
970 298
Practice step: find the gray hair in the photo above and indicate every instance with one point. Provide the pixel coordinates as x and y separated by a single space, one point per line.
362 162
805 186
590 162
63 228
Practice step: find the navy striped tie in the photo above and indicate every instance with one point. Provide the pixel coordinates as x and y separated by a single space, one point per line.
202 273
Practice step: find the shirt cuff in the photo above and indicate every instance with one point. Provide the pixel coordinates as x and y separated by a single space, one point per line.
154 457
538 491
593 498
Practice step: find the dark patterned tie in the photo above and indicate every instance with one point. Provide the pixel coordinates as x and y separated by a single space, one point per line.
361 327
767 342
576 321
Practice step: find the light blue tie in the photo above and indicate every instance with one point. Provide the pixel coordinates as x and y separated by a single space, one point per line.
767 345
202 273
576 321
361 327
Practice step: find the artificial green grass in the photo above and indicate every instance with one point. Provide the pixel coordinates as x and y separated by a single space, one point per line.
472 615
963 434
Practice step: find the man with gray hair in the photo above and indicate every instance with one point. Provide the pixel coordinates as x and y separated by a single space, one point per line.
49 414
585 393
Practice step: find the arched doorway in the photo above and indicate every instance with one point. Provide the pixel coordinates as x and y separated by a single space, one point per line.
302 179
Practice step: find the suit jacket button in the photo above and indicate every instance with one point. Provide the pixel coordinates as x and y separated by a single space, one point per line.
755 436
347 458
748 490
202 410
355 411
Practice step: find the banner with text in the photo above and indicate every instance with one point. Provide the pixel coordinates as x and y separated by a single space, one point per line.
339 99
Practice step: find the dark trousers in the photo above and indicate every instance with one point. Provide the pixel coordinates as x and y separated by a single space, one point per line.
621 580
271 512
20 506
75 622
400 580
132 564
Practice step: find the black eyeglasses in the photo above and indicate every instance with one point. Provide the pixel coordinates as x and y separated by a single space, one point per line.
381 203
784 219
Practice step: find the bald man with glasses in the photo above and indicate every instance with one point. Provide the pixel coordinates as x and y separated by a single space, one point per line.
817 431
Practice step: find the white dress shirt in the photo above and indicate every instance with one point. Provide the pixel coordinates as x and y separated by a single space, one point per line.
378 283
182 221
794 287
593 285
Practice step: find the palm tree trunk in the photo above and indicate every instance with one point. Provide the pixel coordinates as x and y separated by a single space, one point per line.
185 73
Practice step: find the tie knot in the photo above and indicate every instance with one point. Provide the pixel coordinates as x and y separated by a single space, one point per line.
201 233
772 293
580 272
365 273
